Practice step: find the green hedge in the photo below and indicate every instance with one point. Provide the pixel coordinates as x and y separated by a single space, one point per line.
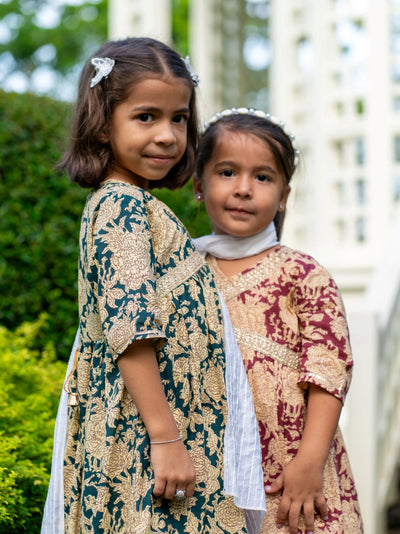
40 213
30 386
39 219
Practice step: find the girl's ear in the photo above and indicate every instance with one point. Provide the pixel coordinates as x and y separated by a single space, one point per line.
104 137
198 189
284 197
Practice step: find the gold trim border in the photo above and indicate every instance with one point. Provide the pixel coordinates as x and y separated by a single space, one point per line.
273 350
182 272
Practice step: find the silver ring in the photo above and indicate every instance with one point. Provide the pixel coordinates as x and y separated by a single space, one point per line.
180 494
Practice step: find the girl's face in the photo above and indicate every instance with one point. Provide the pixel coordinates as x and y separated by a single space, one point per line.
241 185
148 132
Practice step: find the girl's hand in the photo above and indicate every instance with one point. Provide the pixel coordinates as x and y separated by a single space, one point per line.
173 470
301 479
172 465
301 482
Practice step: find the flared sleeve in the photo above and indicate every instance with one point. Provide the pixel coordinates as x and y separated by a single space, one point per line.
326 359
123 272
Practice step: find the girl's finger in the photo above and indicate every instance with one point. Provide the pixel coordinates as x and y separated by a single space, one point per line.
170 489
322 507
284 507
159 487
308 509
275 486
294 514
190 488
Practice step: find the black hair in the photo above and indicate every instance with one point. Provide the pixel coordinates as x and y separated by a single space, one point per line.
272 134
89 160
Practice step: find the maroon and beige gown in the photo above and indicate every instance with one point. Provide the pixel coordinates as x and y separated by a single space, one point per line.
291 328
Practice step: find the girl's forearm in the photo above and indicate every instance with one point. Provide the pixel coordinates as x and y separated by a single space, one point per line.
323 411
139 369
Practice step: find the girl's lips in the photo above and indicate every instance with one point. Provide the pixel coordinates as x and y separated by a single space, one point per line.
161 160
239 211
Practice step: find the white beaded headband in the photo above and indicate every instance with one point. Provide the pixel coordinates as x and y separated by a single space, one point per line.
104 65
261 115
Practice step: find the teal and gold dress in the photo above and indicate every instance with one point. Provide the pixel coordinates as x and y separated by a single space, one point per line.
140 278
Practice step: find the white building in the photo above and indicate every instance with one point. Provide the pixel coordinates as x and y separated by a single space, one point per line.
335 80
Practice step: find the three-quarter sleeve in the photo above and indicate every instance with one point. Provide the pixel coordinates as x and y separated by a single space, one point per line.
123 272
326 359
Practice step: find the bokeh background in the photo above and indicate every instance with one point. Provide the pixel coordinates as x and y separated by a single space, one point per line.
330 69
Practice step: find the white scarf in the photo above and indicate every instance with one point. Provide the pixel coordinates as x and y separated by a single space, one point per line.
228 247
243 473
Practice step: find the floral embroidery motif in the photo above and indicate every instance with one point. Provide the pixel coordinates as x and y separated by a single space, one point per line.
129 241
287 310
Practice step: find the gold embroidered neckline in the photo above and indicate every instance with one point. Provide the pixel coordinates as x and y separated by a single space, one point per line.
277 250
115 181
260 259
232 286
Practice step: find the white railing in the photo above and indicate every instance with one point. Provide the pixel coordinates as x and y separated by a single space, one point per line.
372 416
388 412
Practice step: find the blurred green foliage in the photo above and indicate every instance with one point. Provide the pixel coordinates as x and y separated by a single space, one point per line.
39 219
40 213
73 31
30 386
180 25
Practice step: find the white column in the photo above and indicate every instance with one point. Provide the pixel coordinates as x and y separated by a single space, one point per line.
281 81
360 428
205 54
380 126
140 18
300 99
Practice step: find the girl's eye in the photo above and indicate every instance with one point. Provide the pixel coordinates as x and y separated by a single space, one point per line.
145 117
228 173
180 119
262 178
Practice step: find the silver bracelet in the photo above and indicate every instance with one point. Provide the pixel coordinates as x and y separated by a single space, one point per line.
168 441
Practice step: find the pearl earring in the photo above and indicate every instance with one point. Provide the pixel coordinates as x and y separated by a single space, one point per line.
281 206
198 196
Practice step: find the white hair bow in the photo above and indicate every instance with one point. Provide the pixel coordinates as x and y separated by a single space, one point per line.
193 75
103 67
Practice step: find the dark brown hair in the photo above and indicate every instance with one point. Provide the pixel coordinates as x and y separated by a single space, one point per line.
89 160
273 136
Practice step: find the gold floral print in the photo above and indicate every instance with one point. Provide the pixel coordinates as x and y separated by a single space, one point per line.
292 332
129 243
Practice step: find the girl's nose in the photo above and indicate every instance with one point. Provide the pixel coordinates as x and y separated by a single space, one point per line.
165 133
244 187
